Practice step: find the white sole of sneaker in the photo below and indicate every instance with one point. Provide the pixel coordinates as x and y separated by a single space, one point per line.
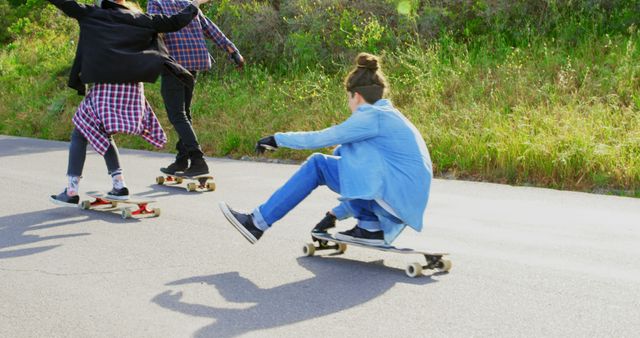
372 242
62 204
241 229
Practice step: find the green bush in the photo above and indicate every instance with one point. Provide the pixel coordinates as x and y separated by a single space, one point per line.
6 19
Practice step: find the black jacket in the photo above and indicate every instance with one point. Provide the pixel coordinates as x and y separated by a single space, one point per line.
120 46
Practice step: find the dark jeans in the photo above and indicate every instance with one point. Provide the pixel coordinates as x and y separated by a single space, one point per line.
78 154
177 100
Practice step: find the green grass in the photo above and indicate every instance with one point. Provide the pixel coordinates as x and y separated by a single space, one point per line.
551 113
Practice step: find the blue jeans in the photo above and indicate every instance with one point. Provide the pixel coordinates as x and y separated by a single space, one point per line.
319 169
370 215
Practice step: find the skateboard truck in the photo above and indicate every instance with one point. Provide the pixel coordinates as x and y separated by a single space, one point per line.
143 209
310 248
142 206
326 241
202 181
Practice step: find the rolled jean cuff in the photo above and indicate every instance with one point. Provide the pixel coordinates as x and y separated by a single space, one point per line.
341 212
369 225
258 220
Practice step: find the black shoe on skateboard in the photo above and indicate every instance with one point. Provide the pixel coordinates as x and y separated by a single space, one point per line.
242 222
119 194
175 167
198 168
362 236
328 222
65 200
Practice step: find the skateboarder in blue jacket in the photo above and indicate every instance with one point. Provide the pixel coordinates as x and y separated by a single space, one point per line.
381 167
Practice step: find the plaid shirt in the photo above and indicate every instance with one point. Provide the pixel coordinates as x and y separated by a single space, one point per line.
117 108
187 46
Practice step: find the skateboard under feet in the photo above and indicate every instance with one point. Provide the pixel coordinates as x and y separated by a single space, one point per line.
102 202
326 241
204 182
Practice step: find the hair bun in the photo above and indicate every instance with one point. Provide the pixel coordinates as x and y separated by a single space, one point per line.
368 61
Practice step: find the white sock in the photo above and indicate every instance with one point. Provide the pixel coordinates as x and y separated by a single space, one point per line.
117 179
73 185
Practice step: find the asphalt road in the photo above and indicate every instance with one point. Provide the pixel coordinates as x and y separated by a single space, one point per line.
526 261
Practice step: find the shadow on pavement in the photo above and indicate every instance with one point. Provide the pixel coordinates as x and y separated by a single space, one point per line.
23 146
157 191
338 284
19 229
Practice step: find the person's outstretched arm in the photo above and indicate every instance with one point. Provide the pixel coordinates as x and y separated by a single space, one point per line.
70 8
215 34
359 127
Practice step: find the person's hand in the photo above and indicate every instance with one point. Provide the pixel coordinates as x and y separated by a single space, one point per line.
238 60
266 143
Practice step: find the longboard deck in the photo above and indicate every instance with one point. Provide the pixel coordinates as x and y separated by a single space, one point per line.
331 238
101 199
104 196
209 177
203 181
435 260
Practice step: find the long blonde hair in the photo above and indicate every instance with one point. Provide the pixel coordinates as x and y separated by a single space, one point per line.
132 6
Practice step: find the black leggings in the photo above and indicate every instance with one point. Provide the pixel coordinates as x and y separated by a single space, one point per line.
78 154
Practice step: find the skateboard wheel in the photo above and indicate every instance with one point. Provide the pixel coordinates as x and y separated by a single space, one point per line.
156 212
191 187
211 186
445 265
126 213
413 270
160 180
308 249
179 180
85 205
114 204
342 248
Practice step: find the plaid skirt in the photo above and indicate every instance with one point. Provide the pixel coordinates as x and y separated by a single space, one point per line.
110 108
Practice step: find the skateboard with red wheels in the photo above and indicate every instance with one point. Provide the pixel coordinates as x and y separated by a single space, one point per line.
201 183
102 202
326 241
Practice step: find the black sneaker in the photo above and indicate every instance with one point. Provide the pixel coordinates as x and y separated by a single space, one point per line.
175 167
119 194
362 236
198 168
64 199
328 222
242 222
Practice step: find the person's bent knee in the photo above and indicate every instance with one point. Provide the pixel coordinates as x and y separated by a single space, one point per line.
316 158
318 162
177 118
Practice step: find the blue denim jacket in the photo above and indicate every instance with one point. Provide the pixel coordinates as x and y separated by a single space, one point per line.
382 157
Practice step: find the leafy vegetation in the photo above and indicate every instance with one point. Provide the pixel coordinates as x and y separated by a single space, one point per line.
537 92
